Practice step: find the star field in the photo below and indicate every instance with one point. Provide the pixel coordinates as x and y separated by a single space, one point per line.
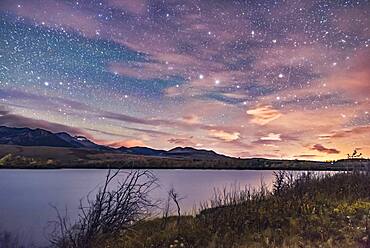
286 79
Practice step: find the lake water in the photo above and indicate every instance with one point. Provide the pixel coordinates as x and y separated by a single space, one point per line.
26 196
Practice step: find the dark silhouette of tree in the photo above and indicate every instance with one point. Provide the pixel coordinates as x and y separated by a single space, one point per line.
110 212
9 240
176 199
354 154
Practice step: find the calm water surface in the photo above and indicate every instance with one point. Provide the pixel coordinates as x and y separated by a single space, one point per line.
26 196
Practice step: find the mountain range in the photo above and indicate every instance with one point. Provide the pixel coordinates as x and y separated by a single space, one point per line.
41 137
39 148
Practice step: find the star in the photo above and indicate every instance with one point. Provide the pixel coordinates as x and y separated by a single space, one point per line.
149 65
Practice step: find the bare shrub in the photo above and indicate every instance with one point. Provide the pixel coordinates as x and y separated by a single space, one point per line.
11 240
109 212
7 240
175 197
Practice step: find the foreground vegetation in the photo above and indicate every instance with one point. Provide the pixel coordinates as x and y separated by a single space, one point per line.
304 210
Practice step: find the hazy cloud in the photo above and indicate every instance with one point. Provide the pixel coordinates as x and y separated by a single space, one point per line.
321 148
263 114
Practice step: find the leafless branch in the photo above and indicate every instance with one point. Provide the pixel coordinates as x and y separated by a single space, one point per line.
110 211
176 199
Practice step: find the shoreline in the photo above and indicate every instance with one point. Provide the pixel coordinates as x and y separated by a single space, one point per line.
178 168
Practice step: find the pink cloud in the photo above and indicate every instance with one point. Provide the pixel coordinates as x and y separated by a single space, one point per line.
263 114
224 135
126 143
272 137
323 149
360 130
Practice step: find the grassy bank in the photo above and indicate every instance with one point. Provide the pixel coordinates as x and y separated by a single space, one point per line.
301 211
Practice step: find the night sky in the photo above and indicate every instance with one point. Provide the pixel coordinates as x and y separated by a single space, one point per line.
276 79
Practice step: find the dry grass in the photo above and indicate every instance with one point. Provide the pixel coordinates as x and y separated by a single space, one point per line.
304 211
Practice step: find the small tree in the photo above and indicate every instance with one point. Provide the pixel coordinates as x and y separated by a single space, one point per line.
354 154
172 194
